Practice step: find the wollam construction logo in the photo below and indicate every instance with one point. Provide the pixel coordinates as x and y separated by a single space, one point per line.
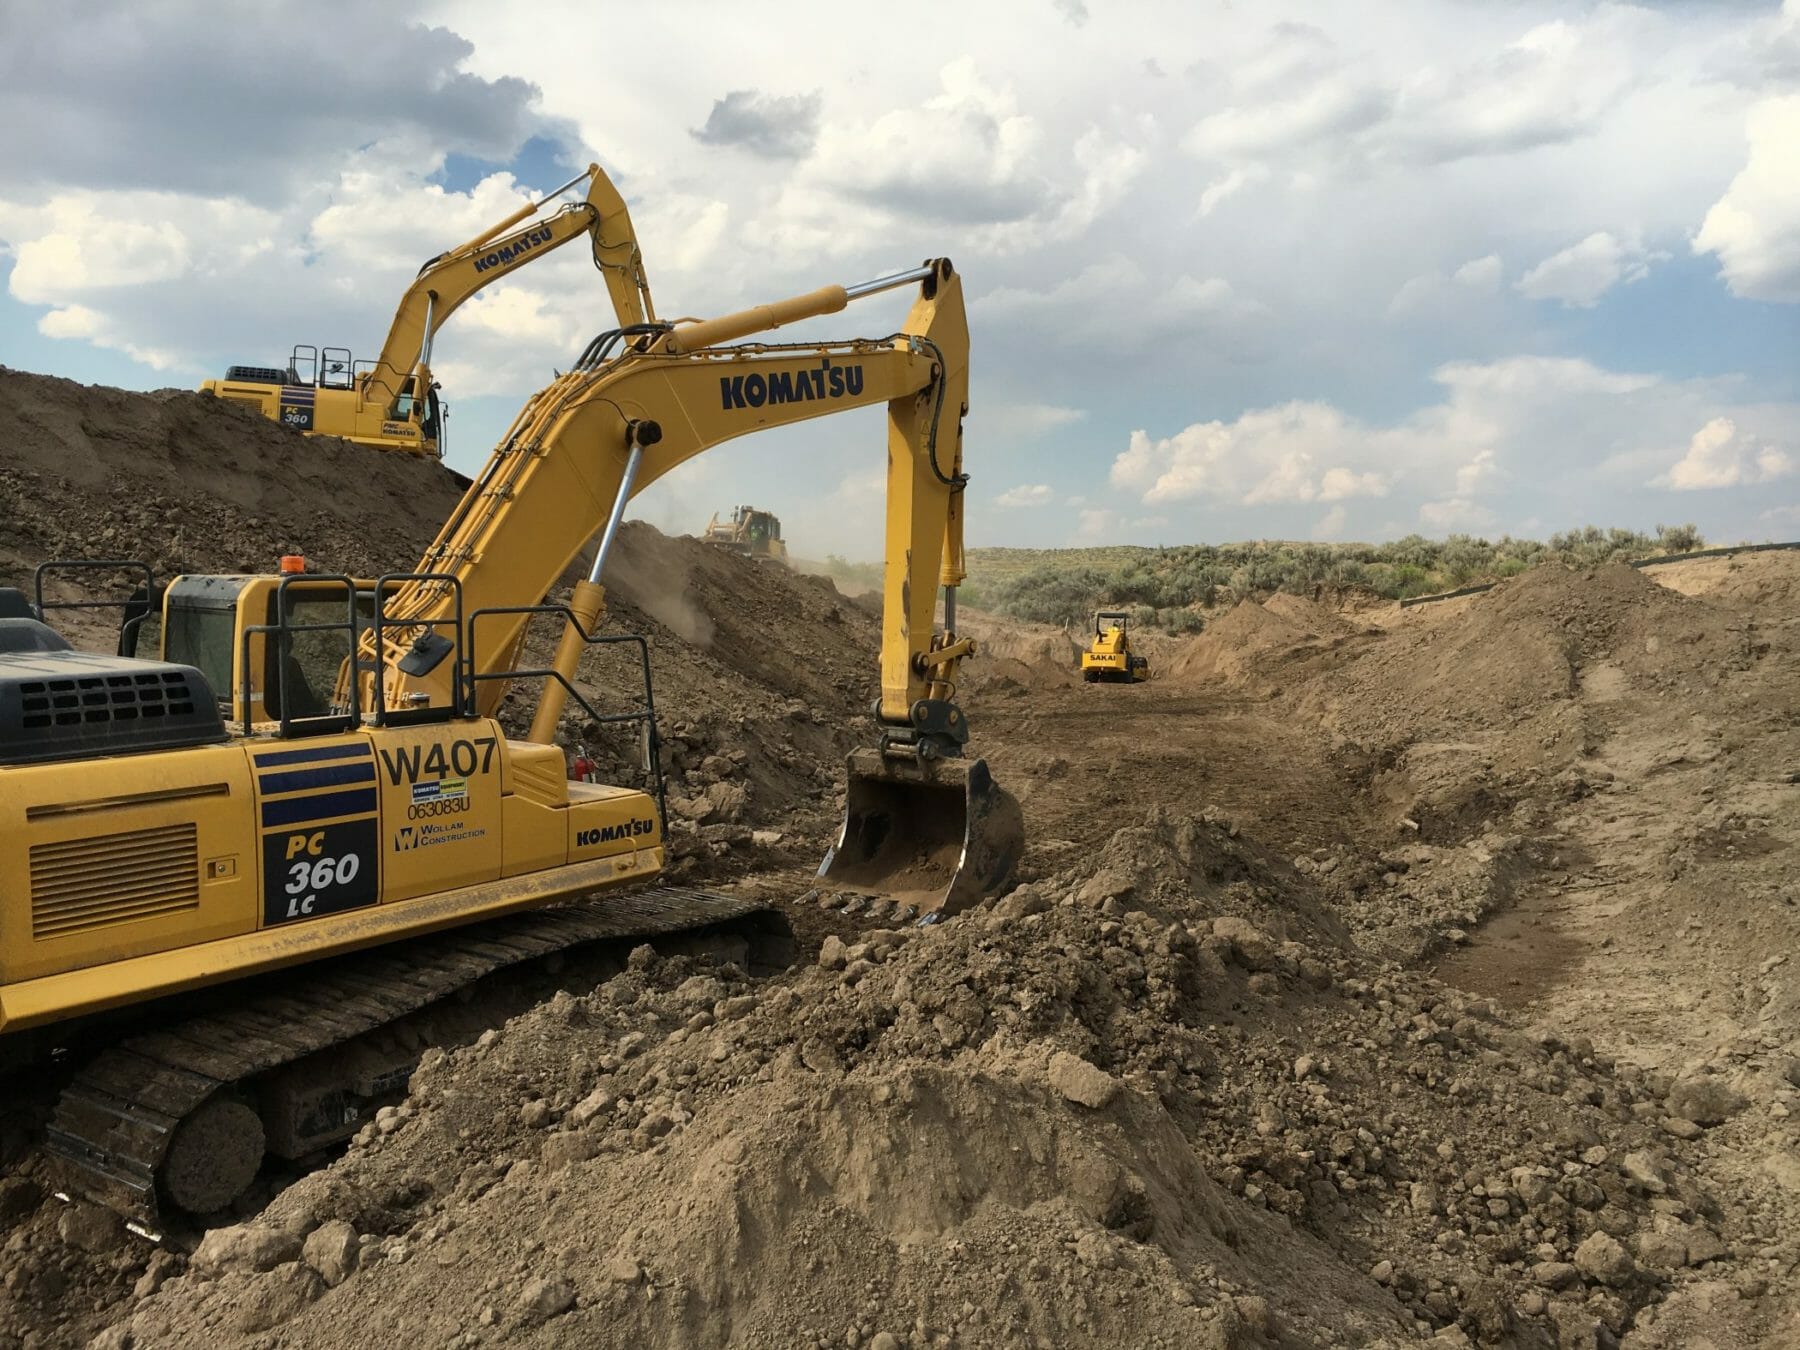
410 837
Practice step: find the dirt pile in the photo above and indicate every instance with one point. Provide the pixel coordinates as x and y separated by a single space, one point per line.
1016 660
1513 663
188 482
1073 1120
1236 648
1743 581
1312 616
1468 726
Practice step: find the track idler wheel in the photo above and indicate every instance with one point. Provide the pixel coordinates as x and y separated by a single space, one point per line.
214 1156
938 835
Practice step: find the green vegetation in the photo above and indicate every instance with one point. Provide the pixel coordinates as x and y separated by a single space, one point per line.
1167 587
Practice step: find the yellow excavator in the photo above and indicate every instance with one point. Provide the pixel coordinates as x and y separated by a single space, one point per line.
304 821
391 402
752 532
1108 656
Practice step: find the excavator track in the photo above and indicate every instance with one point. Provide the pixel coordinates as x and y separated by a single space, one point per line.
115 1123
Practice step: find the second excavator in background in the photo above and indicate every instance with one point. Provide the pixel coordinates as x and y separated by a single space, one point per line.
391 402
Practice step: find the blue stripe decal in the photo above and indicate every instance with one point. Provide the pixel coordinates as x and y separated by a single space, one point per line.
322 806
358 750
331 775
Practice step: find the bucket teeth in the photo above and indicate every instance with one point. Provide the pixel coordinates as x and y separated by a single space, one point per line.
934 836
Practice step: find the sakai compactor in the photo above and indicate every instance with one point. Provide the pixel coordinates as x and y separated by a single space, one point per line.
391 403
1108 656
312 779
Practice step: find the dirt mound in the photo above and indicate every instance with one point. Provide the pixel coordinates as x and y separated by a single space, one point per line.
1744 581
1015 658
1515 661
1309 615
1069 1121
791 633
187 482
1234 648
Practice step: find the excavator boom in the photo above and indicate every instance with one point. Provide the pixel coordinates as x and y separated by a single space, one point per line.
452 277
644 401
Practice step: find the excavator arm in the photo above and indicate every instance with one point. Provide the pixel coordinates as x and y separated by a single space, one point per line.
449 279
647 399
583 444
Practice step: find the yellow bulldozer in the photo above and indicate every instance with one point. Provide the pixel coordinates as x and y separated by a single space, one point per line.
1108 656
232 864
752 532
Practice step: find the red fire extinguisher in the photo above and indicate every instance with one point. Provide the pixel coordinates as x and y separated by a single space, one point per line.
584 770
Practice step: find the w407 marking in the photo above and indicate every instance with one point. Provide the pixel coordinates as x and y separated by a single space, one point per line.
463 758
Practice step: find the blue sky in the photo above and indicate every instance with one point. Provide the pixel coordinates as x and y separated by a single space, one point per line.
1292 269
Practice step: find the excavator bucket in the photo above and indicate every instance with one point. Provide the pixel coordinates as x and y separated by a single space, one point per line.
934 835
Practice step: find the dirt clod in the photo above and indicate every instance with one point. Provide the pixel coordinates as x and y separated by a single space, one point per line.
1080 1081
247 1246
333 1249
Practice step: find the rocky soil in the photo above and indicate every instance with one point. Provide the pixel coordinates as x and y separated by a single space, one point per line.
1377 977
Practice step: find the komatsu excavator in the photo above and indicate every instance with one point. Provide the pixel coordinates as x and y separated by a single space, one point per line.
391 403
305 821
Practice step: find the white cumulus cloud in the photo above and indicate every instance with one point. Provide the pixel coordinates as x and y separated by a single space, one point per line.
1720 455
78 321
1583 272
1280 454
1539 420
1754 229
1026 494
